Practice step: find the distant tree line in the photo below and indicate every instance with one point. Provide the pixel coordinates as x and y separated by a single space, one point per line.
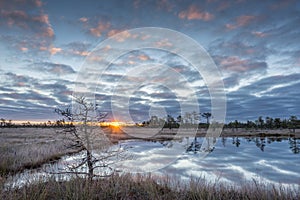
188 120
11 124
193 119
291 123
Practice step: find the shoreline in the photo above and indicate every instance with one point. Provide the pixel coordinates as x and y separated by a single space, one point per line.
168 134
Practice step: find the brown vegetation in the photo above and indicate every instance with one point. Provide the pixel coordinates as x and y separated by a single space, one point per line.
23 148
145 187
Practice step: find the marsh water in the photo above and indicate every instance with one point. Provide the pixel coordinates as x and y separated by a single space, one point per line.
232 160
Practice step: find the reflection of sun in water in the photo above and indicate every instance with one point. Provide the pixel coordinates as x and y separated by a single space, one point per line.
115 127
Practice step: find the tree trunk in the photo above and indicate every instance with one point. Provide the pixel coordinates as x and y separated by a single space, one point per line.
90 164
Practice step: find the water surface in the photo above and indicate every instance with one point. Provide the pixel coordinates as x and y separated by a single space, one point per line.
232 160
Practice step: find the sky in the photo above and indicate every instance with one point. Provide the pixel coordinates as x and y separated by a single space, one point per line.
46 45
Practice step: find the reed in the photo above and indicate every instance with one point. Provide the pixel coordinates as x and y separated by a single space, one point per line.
129 186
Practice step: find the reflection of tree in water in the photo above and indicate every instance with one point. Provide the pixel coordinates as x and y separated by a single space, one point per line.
261 142
271 140
294 145
196 146
224 141
167 143
236 141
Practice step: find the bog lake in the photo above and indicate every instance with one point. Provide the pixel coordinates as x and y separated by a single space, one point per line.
231 160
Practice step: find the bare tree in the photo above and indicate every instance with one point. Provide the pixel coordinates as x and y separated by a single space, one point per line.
86 135
207 116
293 122
3 123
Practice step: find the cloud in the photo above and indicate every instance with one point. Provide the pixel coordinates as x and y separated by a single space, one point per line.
241 21
54 68
25 45
12 80
48 32
243 46
259 34
280 99
99 29
244 20
25 97
60 90
83 19
32 29
193 13
113 32
54 50
144 57
24 49
122 36
37 23
236 64
79 49
163 43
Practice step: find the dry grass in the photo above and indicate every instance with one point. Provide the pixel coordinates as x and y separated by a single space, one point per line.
22 148
145 187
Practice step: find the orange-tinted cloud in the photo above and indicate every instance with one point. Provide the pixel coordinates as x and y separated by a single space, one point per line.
243 20
144 57
122 36
99 29
43 48
145 37
230 26
80 53
163 43
24 49
94 58
40 24
48 32
236 64
42 18
54 50
38 3
130 62
193 13
83 19
233 60
113 32
259 34
16 17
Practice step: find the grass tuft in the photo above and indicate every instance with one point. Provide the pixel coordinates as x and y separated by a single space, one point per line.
130 186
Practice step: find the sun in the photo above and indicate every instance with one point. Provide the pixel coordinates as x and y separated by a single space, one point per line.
115 124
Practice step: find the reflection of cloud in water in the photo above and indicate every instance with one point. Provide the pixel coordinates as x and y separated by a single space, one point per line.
277 164
150 156
264 163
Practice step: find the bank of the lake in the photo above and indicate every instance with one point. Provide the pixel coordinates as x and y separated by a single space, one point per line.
129 187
